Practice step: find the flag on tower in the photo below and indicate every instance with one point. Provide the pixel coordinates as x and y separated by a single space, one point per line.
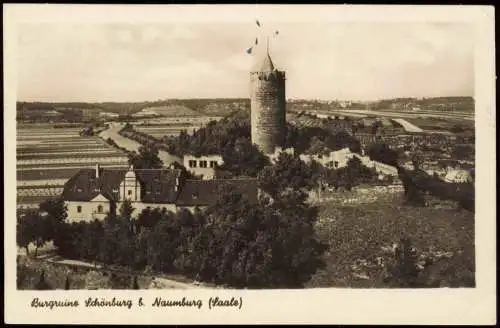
256 41
257 22
276 32
249 50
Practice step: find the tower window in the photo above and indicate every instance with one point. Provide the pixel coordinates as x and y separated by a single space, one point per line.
129 192
99 209
79 209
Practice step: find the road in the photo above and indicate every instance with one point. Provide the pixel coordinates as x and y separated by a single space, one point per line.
131 145
407 125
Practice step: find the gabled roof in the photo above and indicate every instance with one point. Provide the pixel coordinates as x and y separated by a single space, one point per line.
207 192
158 186
84 186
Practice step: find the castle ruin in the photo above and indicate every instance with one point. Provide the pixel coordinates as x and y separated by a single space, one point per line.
267 106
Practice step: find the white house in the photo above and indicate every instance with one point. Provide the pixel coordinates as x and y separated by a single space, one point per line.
458 176
203 165
340 158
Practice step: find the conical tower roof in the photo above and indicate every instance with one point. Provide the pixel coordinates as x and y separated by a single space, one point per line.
264 64
267 64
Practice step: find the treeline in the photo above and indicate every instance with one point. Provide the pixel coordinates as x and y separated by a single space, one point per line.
417 183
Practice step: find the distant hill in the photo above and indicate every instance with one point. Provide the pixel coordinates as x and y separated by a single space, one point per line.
211 106
168 110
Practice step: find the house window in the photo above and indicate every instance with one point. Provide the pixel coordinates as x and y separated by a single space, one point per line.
192 163
213 164
79 209
203 164
129 192
99 209
336 164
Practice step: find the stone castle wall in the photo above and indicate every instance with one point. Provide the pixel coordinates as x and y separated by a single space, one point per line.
268 101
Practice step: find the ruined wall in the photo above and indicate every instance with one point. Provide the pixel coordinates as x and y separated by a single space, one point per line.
268 101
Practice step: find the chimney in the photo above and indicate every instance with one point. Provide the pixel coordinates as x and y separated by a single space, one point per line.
97 169
176 187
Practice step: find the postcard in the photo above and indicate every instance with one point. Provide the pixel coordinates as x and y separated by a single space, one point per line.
171 164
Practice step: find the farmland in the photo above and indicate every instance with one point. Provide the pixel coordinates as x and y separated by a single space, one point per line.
167 110
46 157
171 126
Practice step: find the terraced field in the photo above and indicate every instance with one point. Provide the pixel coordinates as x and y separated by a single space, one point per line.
171 126
47 157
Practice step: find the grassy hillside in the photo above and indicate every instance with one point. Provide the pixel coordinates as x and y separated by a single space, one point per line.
360 238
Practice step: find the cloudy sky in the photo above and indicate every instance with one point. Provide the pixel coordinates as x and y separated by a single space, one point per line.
347 61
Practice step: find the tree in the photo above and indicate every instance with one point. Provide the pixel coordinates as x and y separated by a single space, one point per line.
318 147
42 284
66 283
147 158
126 210
135 284
289 171
403 270
381 152
265 246
55 211
26 228
241 157
33 228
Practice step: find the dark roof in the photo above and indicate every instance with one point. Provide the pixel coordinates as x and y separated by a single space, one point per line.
157 186
206 192
84 186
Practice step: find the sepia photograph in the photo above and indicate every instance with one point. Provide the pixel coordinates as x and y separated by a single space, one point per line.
245 154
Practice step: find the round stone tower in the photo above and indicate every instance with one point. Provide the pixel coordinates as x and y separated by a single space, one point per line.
267 104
